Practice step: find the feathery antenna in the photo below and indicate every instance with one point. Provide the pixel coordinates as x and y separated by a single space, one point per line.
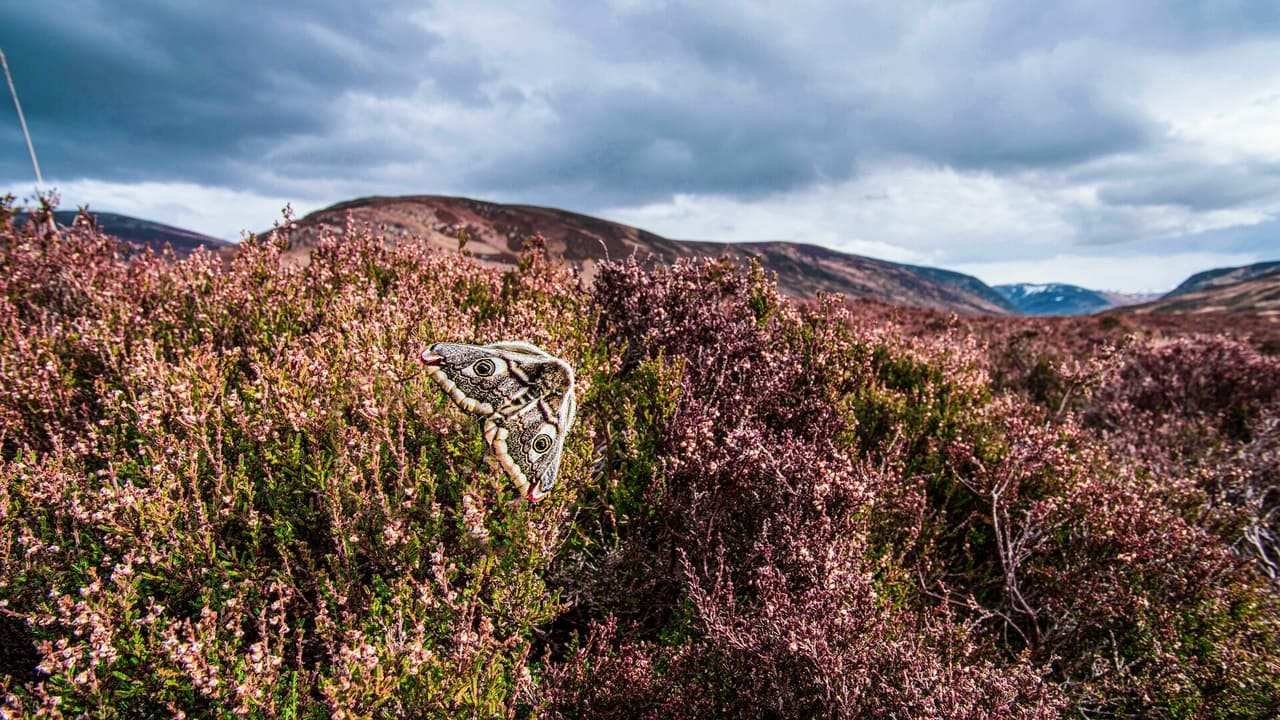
22 120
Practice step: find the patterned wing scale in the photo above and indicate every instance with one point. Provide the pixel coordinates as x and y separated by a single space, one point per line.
526 396
477 379
529 445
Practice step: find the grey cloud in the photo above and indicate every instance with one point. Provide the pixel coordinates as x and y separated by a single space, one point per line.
199 92
680 98
1260 239
740 113
634 145
1012 125
154 90
1015 25
1197 187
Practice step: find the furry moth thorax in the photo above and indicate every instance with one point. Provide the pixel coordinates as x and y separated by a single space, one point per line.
525 396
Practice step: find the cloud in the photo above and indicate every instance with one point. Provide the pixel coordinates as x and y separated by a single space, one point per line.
1197 187
613 108
895 212
993 224
213 211
1161 272
706 100
157 91
956 133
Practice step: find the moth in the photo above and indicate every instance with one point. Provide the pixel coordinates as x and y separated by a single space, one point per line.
526 398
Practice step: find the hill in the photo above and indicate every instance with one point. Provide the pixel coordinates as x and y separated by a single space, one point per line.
144 232
1253 289
495 232
1219 277
1053 299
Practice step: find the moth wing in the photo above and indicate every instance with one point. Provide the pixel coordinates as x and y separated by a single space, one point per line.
519 346
527 354
526 396
477 378
567 411
528 445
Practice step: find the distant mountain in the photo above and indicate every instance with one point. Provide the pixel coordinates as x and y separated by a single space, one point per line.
1123 299
1251 289
1223 276
1054 299
496 232
143 232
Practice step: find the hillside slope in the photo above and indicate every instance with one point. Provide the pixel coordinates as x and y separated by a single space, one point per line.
1219 277
495 232
1257 293
144 232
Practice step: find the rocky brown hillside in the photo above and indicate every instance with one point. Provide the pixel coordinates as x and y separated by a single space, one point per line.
1220 277
495 232
1258 293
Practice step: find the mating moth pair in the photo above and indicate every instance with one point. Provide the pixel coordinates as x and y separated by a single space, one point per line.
525 395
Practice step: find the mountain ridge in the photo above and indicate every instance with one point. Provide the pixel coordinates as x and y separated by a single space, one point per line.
1217 277
1251 289
495 232
144 232
1053 298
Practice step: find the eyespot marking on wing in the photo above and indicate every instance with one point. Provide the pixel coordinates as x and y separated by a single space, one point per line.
526 397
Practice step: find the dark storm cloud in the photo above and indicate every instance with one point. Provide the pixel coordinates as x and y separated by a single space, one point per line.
1012 125
634 145
678 98
736 111
161 90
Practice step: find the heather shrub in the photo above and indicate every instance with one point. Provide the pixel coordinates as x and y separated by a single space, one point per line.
1202 415
1062 548
889 468
1221 385
227 489
753 590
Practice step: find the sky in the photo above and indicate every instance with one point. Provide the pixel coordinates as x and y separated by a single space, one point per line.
1116 145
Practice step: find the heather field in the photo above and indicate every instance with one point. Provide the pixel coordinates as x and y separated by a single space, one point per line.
228 489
